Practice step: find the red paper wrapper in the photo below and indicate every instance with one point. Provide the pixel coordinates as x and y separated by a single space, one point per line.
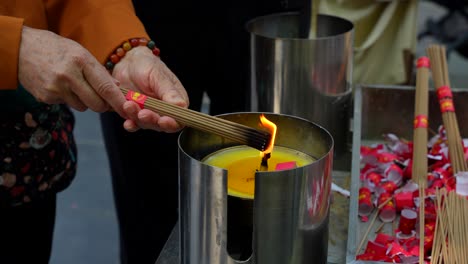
394 173
388 212
388 187
386 158
423 62
365 202
384 239
404 200
376 249
397 250
404 238
402 148
373 180
369 154
437 184
371 257
407 221
137 98
444 92
428 241
450 183
408 171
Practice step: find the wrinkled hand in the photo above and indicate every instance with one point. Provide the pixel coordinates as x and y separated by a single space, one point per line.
58 70
141 71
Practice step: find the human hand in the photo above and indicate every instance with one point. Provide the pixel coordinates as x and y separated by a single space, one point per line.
141 71
58 70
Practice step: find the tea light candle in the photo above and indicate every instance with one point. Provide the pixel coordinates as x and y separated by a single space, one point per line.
242 162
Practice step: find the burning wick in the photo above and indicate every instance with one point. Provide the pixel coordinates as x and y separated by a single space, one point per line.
264 163
267 153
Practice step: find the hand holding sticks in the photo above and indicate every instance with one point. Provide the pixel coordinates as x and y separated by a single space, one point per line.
249 136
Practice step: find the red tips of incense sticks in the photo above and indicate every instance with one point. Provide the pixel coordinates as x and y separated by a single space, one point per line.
286 165
423 62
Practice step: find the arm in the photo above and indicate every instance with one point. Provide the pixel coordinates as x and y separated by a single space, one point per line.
10 36
100 26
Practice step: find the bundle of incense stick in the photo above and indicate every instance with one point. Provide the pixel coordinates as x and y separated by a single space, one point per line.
450 241
421 123
313 18
249 136
441 80
450 237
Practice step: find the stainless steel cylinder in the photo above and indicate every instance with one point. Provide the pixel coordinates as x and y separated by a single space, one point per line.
309 78
291 207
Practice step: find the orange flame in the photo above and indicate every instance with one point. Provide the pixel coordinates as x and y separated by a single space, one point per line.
272 129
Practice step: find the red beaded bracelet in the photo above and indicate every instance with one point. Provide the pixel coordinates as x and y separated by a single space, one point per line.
118 54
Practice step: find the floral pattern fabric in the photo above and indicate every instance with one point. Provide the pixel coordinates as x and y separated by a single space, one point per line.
37 153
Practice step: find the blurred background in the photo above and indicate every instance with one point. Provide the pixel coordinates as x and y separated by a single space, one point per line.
86 227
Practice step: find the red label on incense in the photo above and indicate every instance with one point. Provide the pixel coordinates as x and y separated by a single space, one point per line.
444 92
423 62
137 98
446 105
420 121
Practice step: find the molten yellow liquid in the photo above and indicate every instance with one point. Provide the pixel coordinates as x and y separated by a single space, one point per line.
242 162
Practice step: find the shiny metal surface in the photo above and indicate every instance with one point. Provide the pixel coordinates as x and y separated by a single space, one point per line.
291 207
309 78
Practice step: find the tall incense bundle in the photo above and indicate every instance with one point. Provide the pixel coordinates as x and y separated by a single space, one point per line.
249 136
313 18
308 19
421 123
451 236
441 80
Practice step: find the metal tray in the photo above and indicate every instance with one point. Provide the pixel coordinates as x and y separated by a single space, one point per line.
387 109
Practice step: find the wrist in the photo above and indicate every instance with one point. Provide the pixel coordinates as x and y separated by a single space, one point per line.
132 44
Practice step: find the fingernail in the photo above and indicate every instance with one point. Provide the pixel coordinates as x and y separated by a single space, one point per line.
117 82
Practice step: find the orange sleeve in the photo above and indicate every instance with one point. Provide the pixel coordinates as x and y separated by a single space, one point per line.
10 37
100 26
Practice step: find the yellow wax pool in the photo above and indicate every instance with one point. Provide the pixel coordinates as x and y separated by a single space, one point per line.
242 162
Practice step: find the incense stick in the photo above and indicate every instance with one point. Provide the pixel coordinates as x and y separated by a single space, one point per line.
314 18
450 239
441 79
250 136
420 142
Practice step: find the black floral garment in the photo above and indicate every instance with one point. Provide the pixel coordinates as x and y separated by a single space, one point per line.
37 153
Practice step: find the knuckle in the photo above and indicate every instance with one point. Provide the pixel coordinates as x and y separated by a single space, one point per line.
50 95
105 89
80 57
